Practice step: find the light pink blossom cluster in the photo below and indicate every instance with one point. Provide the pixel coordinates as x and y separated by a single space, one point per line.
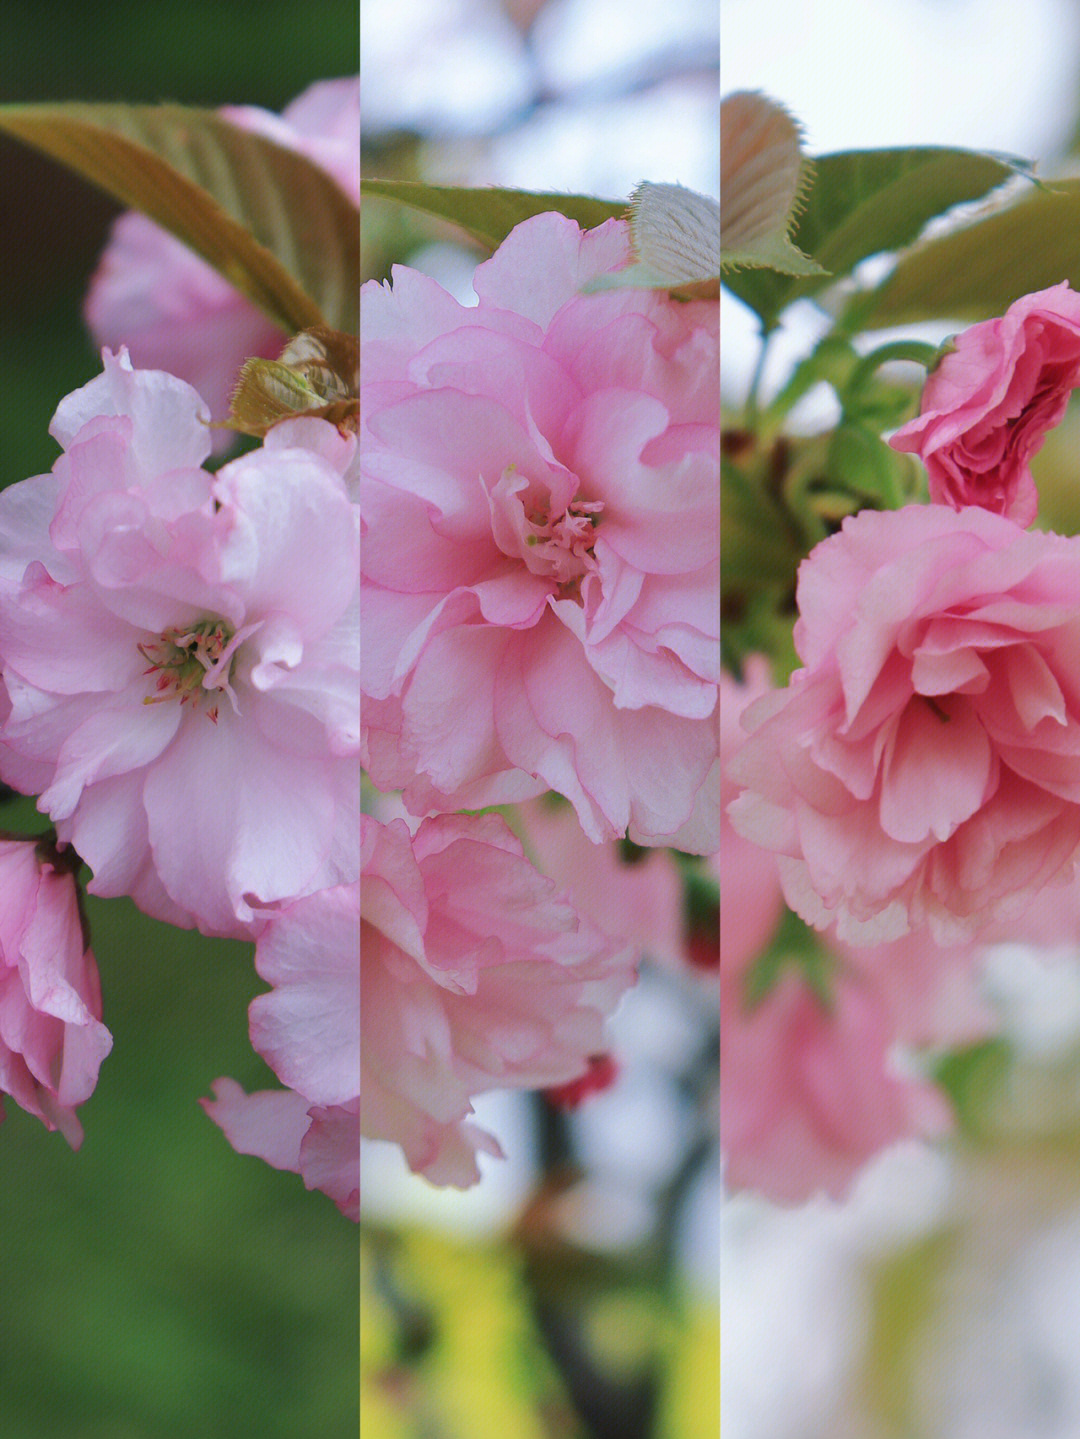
180 681
179 663
539 582
916 784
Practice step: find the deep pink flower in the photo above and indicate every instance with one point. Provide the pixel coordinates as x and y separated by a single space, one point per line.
987 406
173 310
924 766
474 975
807 1095
540 562
52 1040
179 656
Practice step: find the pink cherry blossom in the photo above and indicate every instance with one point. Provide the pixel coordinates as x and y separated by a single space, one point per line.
540 562
308 1030
179 656
987 406
52 1040
807 1094
474 975
320 1143
636 899
749 877
173 310
924 766
931 992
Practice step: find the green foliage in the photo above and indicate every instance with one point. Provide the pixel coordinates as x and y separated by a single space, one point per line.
270 220
866 201
488 215
164 1286
794 945
972 1078
977 271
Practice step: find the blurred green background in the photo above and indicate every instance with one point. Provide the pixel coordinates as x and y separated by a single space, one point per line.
156 1285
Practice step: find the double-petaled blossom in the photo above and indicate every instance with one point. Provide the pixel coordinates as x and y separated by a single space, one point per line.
52 1040
539 489
475 974
988 404
179 655
451 969
175 312
808 1090
308 1030
924 766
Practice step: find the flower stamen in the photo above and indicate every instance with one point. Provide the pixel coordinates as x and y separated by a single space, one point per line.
190 662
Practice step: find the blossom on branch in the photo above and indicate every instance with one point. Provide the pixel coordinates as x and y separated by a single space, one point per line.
178 652
52 1040
988 404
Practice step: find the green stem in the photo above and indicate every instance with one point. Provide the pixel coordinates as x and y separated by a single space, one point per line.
752 406
917 351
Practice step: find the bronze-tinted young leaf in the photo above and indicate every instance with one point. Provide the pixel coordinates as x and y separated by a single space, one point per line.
867 201
316 374
270 220
488 215
763 179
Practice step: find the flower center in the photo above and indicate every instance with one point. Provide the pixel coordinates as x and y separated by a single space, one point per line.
564 544
189 663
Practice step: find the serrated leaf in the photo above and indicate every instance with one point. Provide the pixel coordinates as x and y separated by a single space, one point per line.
763 179
778 253
268 219
488 215
675 236
864 202
977 271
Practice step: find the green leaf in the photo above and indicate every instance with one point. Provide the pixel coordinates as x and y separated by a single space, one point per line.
269 220
776 253
976 272
861 463
488 215
866 201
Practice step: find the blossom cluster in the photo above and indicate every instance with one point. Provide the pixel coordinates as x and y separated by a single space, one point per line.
540 589
528 522
179 660
914 788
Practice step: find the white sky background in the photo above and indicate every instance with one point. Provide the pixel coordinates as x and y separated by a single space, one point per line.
983 74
